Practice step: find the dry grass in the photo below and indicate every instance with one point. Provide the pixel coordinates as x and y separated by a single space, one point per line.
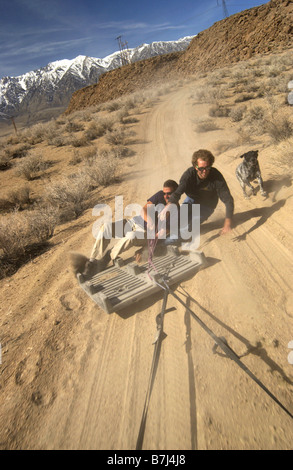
218 110
117 136
29 167
236 114
283 155
69 195
101 169
18 199
280 128
23 235
206 126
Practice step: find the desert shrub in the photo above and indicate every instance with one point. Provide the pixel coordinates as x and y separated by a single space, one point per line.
14 139
101 170
257 72
70 195
98 128
5 161
76 158
22 235
29 167
83 115
36 134
20 198
131 102
52 131
122 114
113 105
209 94
218 110
129 120
256 113
280 128
273 70
283 156
17 152
5 205
74 126
121 151
59 141
206 126
273 103
244 97
237 113
116 136
77 141
92 132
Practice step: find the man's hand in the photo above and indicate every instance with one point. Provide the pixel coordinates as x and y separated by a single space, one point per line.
227 227
161 233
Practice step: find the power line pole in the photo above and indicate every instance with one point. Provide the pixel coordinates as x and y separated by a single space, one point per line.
225 10
124 54
14 125
7 117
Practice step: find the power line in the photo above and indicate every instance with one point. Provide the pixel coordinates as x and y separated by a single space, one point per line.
124 53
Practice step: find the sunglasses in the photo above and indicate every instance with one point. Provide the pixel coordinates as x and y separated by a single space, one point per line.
168 194
203 168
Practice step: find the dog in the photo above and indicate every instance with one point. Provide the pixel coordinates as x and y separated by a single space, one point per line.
248 171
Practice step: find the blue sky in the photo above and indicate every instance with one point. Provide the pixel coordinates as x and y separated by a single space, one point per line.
36 32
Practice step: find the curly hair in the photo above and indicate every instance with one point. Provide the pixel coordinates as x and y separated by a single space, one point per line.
204 155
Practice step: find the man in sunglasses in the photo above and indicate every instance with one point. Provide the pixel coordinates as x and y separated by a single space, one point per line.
205 185
137 229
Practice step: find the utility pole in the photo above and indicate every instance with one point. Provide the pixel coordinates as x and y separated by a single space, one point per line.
13 122
225 11
7 117
123 47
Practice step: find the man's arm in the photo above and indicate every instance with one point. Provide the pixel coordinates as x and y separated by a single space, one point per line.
175 197
227 199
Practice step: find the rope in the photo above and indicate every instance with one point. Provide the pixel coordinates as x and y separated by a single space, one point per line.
154 367
151 249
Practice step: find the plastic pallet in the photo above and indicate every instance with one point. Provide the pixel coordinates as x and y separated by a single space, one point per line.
122 285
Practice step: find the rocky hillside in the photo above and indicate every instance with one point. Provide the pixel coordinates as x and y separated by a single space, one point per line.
259 30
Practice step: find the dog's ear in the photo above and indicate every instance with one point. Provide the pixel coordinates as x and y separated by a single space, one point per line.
241 156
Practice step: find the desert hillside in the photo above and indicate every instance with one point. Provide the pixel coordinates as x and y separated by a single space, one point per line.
259 30
75 377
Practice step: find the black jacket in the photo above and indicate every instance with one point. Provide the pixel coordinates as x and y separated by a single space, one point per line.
206 192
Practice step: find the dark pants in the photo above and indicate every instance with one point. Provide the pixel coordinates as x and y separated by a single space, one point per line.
205 211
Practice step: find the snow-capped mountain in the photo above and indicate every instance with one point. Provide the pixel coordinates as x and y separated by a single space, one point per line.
52 86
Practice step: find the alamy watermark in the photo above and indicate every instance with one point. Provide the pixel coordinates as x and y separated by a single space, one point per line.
290 355
163 221
290 94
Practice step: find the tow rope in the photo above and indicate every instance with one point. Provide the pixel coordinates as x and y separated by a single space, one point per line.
156 355
151 249
221 342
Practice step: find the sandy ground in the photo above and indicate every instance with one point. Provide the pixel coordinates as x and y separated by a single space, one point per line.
74 377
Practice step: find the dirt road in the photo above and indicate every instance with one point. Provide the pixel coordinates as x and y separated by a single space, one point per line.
73 377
